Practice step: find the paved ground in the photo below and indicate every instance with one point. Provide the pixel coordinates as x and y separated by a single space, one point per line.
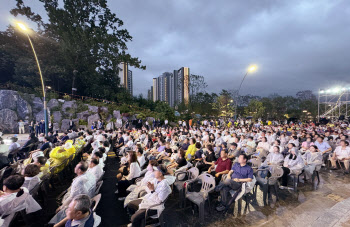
329 205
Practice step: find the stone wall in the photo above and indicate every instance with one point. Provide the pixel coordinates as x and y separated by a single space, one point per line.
15 106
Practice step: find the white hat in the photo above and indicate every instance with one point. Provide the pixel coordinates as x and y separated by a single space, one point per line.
37 154
67 146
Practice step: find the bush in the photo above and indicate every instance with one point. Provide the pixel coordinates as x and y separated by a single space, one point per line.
82 122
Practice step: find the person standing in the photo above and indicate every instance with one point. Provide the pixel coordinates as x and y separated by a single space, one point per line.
37 129
21 127
31 127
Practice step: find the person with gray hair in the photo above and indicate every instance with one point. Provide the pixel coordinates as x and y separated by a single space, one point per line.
84 183
79 213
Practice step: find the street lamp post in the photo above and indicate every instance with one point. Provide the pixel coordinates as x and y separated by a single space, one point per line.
250 69
25 30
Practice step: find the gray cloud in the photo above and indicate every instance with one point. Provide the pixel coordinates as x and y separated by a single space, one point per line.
296 44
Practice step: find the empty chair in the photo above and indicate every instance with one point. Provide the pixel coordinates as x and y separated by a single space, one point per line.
199 198
98 187
95 201
270 181
189 176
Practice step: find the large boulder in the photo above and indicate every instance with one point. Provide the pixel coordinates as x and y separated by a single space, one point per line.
8 121
93 109
24 110
40 116
104 109
109 118
57 116
69 104
56 127
38 104
92 119
116 114
76 123
8 99
65 125
83 115
53 103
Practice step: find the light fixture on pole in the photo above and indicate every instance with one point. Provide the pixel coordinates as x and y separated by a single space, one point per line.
25 31
251 69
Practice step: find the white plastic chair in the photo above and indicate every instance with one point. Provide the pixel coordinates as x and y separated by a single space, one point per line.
98 187
199 198
95 201
191 174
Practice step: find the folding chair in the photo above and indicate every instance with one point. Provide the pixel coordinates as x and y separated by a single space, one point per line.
95 201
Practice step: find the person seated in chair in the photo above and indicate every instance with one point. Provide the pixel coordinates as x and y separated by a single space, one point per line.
341 153
12 148
293 163
31 140
157 190
31 178
95 168
223 166
14 198
239 174
79 214
312 158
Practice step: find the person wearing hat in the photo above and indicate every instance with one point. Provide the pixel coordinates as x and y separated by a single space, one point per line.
292 163
157 190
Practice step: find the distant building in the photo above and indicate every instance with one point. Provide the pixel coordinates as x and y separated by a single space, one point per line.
172 88
150 93
125 76
130 84
155 89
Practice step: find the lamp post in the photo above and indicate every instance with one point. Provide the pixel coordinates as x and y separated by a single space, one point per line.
250 69
25 31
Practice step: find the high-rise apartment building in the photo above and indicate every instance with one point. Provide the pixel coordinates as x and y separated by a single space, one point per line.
172 88
125 76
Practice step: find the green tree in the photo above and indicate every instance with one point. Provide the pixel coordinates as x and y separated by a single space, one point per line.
81 36
255 109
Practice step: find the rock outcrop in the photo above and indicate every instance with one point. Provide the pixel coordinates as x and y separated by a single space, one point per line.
8 121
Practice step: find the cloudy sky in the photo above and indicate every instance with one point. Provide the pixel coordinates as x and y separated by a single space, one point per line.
297 45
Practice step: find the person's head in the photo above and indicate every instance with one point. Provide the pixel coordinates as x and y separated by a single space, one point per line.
132 157
31 170
151 164
192 141
233 146
32 135
313 148
94 162
242 159
198 145
167 145
102 150
277 142
81 168
139 151
79 207
160 172
320 139
97 155
223 154
13 183
40 161
276 149
291 145
344 143
308 139
14 139
181 153
263 139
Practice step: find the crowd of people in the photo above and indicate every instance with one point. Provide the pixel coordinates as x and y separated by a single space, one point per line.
235 154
